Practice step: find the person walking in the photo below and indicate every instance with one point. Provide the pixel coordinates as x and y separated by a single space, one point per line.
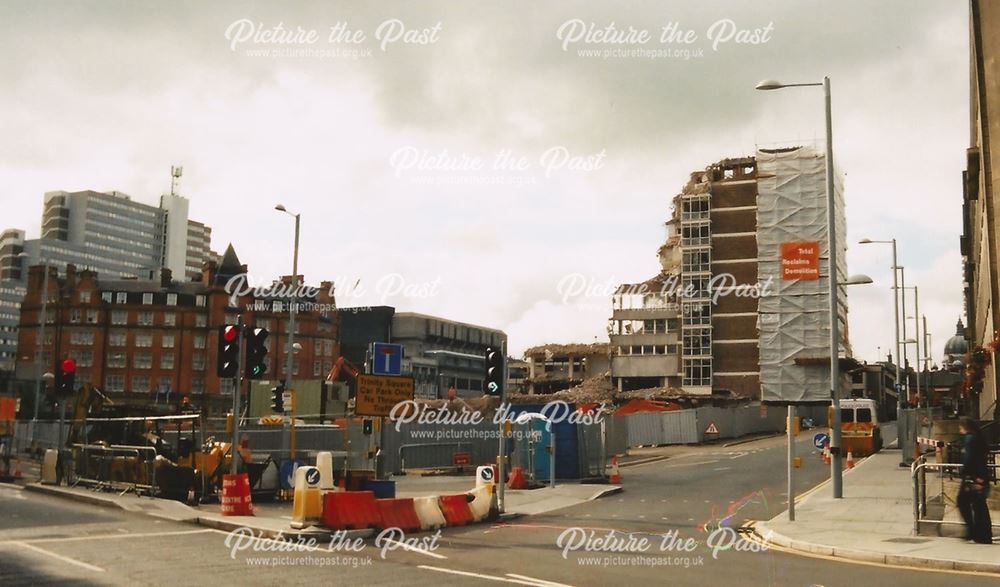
975 485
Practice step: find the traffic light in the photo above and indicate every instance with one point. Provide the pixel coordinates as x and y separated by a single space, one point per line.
494 371
366 427
65 377
256 353
278 398
229 351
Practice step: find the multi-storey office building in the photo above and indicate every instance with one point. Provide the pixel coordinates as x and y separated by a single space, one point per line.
107 233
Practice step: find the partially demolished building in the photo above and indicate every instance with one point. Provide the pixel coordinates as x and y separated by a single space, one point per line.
719 319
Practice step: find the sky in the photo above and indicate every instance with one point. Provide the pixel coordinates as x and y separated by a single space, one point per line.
501 163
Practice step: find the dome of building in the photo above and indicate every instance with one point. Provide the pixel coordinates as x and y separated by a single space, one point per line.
957 346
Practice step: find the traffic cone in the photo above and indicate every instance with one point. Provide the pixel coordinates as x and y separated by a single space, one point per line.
826 454
615 476
17 469
850 460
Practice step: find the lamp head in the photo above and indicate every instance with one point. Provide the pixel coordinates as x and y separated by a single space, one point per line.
769 84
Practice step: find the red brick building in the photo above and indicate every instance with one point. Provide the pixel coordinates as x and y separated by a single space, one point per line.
140 341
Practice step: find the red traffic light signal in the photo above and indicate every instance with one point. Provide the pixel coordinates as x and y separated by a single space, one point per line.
68 366
229 333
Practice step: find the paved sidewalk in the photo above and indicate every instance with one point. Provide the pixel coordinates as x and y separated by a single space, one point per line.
874 523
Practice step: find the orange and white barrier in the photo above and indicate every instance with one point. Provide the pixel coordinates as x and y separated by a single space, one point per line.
482 503
615 476
429 512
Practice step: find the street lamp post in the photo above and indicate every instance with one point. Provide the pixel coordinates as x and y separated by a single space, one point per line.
895 301
293 308
831 227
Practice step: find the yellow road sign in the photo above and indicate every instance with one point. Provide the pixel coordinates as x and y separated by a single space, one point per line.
378 394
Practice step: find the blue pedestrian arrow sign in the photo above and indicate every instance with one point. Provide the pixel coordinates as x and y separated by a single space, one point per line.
387 359
820 440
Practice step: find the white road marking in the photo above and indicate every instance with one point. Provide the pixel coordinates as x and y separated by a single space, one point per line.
108 536
409 548
539 581
516 579
64 559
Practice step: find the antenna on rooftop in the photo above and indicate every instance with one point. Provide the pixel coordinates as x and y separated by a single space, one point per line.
175 173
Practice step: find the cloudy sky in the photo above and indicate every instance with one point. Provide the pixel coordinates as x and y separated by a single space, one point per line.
483 160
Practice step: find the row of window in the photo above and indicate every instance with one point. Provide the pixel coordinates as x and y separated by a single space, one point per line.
654 326
648 349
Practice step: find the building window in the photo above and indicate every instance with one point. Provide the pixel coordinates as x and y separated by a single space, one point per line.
119 317
121 297
697 342
169 319
264 323
166 384
200 320
147 299
698 372
50 316
140 384
699 234
114 382
83 337
696 261
697 314
117 338
171 299
142 361
167 361
82 358
145 318
168 341
198 362
106 296
84 297
143 340
198 385
317 366
199 341
116 360
226 386
75 314
199 301
91 316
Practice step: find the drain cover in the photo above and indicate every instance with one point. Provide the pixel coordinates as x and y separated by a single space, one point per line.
908 540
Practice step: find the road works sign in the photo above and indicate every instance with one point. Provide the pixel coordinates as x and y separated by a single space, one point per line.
800 260
711 428
377 394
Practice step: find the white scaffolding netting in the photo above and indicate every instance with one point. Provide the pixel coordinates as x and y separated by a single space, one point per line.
793 314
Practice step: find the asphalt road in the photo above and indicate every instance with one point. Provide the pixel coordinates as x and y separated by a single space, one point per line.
46 540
